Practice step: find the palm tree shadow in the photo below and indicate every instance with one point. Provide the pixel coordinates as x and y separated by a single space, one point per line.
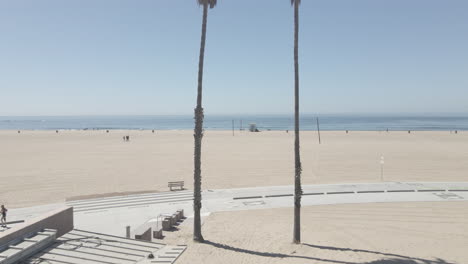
271 254
408 261
397 259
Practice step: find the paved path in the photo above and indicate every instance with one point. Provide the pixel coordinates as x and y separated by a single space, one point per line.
111 215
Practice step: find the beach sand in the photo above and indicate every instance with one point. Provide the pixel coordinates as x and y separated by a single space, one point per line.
40 167
379 233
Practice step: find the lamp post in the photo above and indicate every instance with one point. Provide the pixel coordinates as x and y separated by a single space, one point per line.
382 162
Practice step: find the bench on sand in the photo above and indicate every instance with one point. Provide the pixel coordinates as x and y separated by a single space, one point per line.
179 184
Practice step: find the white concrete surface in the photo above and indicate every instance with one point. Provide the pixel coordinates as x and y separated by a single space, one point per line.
111 215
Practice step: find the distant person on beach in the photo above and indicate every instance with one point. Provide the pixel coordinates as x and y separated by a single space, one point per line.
4 215
123 138
127 138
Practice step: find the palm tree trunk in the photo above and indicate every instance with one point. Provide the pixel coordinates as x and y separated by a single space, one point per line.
198 135
297 158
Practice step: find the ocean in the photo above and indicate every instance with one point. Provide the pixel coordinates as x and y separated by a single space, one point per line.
224 122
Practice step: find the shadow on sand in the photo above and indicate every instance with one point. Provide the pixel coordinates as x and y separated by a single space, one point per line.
397 259
408 261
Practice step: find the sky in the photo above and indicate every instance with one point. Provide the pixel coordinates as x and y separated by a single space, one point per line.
140 57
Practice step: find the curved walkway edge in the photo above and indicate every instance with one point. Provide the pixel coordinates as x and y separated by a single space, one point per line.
112 214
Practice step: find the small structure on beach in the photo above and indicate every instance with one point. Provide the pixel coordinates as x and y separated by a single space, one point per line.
253 127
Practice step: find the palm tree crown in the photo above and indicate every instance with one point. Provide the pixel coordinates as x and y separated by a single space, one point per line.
211 3
292 1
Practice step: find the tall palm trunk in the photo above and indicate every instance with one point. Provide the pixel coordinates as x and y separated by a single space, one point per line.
297 158
198 135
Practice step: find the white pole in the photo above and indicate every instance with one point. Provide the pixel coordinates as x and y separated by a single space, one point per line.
381 173
381 168
127 231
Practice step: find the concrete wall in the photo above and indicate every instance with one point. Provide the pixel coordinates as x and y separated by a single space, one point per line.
60 220
146 235
144 232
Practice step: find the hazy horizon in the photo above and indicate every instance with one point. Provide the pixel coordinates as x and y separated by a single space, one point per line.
383 114
228 122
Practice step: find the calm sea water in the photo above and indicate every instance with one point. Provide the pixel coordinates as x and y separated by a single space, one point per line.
263 122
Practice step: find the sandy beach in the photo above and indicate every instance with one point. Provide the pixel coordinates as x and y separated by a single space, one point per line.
39 167
388 233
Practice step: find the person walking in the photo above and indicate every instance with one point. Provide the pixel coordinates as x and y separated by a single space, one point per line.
4 215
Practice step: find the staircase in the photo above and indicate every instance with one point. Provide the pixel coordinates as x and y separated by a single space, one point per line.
24 247
168 254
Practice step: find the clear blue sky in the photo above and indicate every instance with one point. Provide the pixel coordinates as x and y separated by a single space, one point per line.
140 56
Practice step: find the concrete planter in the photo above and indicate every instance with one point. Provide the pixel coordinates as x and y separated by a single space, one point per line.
158 234
166 224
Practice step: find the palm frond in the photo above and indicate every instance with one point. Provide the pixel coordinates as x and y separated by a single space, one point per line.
210 3
298 2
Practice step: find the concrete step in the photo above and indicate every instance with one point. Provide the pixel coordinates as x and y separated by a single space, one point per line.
129 197
168 254
24 247
126 201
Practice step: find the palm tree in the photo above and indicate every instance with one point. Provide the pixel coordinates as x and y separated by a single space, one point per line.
297 158
197 235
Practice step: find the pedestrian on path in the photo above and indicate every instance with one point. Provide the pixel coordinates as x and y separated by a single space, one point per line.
4 215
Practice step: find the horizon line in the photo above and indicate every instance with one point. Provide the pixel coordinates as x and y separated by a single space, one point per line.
256 114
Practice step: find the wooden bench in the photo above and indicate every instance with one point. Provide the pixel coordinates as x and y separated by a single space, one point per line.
179 184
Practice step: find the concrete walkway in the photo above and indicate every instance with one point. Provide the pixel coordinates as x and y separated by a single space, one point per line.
111 215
